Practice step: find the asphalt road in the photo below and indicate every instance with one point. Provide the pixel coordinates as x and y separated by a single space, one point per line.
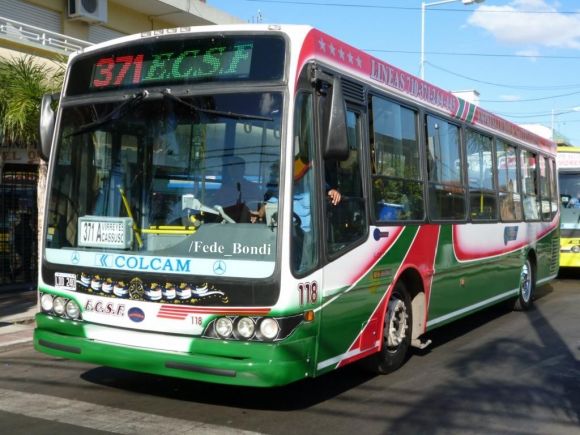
498 372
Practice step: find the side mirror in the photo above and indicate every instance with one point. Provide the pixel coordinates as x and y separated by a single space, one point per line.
336 143
47 122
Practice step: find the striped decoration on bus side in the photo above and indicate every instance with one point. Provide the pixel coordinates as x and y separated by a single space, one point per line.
181 312
465 111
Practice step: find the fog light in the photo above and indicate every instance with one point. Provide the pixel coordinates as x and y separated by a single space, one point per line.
46 302
224 327
59 305
246 327
269 328
72 310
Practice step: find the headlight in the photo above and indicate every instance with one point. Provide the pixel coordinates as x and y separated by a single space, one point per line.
46 302
59 305
269 328
246 327
72 310
264 329
575 249
224 327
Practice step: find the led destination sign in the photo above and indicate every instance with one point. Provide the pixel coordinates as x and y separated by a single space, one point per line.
179 61
187 64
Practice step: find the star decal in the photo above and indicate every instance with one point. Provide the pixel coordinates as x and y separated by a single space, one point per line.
332 49
335 49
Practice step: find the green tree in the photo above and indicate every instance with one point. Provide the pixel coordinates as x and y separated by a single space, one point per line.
24 80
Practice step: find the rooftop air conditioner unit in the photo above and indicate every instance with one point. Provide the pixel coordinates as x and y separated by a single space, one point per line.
91 11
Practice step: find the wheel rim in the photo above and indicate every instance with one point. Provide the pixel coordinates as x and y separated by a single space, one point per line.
396 325
526 282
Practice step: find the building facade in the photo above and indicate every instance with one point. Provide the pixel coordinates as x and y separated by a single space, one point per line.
47 30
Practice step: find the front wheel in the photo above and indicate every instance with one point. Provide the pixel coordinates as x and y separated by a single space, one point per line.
396 334
525 298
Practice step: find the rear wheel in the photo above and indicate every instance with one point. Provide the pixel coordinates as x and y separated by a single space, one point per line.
396 333
525 298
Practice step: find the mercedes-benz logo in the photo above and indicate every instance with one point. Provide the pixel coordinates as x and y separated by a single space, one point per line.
219 267
75 257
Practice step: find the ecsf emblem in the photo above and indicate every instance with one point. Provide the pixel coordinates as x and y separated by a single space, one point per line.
109 308
136 314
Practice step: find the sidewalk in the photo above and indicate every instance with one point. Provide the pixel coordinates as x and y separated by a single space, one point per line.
17 310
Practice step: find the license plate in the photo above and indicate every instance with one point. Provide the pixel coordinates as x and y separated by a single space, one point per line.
105 232
65 281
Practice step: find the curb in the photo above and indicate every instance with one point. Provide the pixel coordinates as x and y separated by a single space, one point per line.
17 311
15 335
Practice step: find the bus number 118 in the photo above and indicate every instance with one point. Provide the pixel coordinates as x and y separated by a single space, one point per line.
308 292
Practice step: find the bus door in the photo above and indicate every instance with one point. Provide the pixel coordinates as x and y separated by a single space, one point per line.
347 304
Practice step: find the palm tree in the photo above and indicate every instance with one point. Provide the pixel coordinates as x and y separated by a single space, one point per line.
24 81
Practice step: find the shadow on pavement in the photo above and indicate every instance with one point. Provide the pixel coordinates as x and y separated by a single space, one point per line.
505 386
13 303
543 391
569 273
300 395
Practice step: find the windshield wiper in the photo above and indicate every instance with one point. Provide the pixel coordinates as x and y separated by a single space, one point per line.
167 93
117 113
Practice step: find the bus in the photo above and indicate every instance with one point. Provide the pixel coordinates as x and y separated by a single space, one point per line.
189 229
568 162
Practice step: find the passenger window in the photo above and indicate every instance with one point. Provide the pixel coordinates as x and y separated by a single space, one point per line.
480 175
531 197
446 185
510 203
395 164
545 189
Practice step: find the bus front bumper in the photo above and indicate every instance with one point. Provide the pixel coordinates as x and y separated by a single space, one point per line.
226 362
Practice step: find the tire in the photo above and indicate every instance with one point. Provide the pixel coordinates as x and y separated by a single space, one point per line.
396 334
525 299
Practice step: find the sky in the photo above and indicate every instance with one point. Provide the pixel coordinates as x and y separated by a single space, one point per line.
522 56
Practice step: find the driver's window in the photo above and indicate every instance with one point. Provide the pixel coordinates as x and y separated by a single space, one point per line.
347 219
304 252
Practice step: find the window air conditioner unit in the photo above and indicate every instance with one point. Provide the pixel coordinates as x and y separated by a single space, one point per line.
91 11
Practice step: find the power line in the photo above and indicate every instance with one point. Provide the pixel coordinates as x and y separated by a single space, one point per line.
538 115
532 88
411 8
528 88
448 53
523 100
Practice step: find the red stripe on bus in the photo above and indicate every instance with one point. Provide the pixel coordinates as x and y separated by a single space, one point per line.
421 256
181 312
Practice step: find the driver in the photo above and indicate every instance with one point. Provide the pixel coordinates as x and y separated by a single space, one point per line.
236 193
301 197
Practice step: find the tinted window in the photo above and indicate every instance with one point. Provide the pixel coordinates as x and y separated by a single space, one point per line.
509 198
395 163
446 186
480 174
531 197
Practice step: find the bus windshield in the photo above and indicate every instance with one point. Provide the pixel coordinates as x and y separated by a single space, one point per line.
570 195
167 177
